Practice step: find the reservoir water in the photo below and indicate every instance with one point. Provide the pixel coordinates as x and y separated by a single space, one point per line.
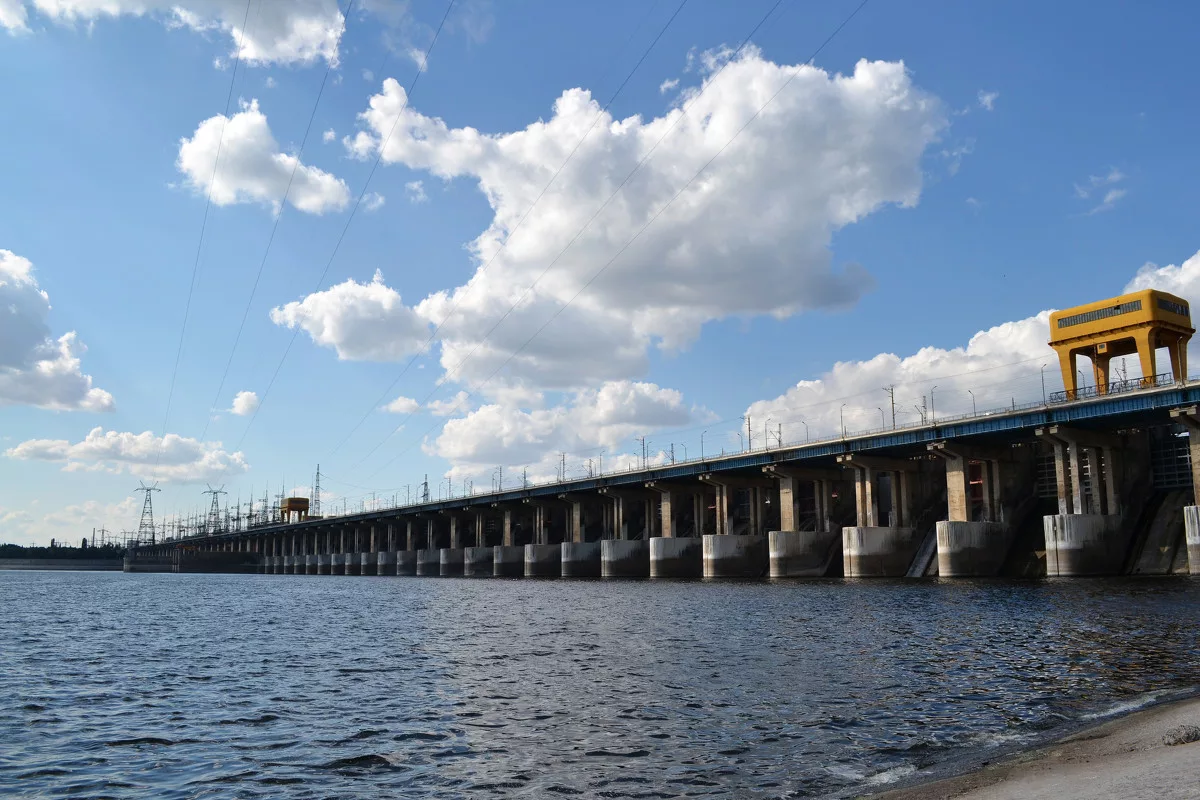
199 686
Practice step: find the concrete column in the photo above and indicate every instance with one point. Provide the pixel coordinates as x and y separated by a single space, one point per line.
1191 525
410 535
788 501
1076 461
455 533
1112 494
956 488
1062 478
480 529
668 516
576 521
508 529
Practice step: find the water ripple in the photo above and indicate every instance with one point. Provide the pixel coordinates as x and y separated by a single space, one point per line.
190 686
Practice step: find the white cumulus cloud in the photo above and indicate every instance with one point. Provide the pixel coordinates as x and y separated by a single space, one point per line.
296 31
750 237
143 455
361 321
416 191
1000 366
244 404
35 368
252 169
591 420
402 405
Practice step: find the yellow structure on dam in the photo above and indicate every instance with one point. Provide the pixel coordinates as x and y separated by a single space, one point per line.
1140 323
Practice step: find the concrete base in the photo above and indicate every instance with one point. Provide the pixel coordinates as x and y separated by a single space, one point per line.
299 565
581 559
337 564
385 563
624 558
354 563
406 562
676 558
801 554
728 556
543 560
429 562
452 562
1084 544
972 549
323 564
1191 524
478 562
878 552
508 562
369 565
288 566
310 565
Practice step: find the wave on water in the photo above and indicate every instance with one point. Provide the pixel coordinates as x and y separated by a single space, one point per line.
1135 703
891 775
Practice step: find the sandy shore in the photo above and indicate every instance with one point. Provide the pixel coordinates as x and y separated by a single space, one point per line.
1122 759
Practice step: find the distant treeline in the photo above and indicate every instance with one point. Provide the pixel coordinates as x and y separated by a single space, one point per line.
17 551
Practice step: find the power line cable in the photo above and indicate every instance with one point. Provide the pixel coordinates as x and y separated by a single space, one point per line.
341 236
683 113
503 245
275 225
203 226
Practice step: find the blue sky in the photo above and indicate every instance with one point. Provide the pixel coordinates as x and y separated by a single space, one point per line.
939 171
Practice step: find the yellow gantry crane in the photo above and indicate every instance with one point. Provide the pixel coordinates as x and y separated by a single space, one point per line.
1140 322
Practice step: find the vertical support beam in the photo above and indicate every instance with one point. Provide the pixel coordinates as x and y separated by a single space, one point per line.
667 512
508 531
430 530
576 521
787 504
619 521
410 535
956 489
391 537
1096 472
1076 478
698 508
480 528
1061 476
455 533
898 516
1112 495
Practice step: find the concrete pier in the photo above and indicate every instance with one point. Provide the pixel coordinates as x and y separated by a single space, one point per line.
479 562
543 560
451 562
323 564
508 561
369 565
581 559
406 562
872 552
624 558
310 565
337 564
385 563
672 557
801 554
971 549
1191 524
1084 544
729 556
429 562
353 563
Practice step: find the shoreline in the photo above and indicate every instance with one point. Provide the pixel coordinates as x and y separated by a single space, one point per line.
1120 757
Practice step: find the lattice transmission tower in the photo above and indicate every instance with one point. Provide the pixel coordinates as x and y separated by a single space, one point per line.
146 524
214 511
315 510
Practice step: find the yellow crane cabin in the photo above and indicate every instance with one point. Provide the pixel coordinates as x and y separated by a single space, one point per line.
1139 322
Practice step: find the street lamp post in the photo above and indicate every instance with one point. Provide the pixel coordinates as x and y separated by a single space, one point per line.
1044 384
842 419
767 434
805 424
702 444
974 410
932 407
882 419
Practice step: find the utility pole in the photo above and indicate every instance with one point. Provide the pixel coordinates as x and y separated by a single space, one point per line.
524 477
146 524
214 510
749 435
672 452
643 441
891 390
425 489
316 498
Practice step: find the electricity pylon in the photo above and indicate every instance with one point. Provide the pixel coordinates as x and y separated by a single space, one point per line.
146 524
214 512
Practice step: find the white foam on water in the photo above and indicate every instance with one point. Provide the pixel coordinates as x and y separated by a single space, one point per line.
891 775
1127 706
845 773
